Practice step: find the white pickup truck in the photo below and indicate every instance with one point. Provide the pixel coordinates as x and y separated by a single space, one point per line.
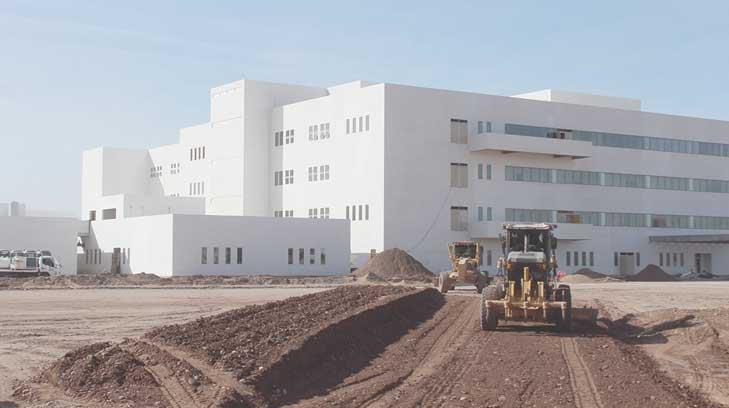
4 259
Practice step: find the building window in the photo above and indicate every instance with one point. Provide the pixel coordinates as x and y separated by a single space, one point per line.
301 256
360 212
592 258
479 211
324 131
681 257
109 214
584 258
314 132
489 258
637 259
459 175
278 178
227 256
367 122
204 256
313 173
347 216
577 258
289 213
239 256
459 218
322 256
459 131
290 136
615 258
291 256
367 212
289 177
532 174
278 138
567 258
216 255
489 214
488 172
660 258
348 126
479 171
92 215
313 213
312 256
324 172
324 212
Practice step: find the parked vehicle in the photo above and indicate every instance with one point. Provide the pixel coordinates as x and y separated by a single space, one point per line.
4 259
24 260
49 265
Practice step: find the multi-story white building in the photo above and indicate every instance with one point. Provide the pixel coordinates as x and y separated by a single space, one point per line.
417 168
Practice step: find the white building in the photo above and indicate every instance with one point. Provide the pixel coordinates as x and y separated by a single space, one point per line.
417 168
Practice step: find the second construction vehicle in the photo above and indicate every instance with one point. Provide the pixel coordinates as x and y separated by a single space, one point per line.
465 259
529 291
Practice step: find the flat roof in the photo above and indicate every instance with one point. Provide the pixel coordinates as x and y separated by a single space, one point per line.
691 239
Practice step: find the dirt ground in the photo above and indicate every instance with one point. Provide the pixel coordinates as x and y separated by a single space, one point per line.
437 357
39 326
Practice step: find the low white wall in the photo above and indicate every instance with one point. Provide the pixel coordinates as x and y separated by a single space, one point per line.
168 245
57 235
265 242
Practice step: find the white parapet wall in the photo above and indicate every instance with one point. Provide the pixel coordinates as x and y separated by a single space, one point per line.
178 245
57 234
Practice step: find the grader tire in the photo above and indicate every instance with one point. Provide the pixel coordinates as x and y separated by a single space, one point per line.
488 317
564 324
481 282
443 284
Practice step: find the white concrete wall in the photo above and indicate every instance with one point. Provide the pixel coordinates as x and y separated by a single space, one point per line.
148 241
265 242
57 235
169 245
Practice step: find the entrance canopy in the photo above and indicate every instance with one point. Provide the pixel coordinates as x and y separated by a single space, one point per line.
691 239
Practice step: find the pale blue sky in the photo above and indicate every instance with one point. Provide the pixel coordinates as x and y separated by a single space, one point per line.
80 74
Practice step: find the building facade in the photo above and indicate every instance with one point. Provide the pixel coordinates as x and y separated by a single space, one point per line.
417 168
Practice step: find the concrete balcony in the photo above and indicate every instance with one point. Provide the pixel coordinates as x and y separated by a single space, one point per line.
567 232
572 149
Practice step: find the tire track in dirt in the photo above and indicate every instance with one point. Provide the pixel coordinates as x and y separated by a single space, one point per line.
583 386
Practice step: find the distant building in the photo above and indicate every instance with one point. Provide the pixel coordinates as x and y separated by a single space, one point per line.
417 168
12 209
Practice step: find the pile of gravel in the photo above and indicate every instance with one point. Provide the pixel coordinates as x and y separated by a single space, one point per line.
395 264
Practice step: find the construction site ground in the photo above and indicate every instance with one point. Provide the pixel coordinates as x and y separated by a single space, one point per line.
658 344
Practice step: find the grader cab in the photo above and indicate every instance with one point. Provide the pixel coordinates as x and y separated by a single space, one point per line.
465 259
528 290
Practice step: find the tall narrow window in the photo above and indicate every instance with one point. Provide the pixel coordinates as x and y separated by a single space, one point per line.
227 256
360 123
488 127
637 259
347 213
584 258
203 152
682 259
323 257
216 255
488 172
367 122
291 256
204 256
567 258
312 256
360 212
479 211
354 213
301 256
480 171
592 258
480 127
459 131
615 258
660 258
354 125
459 218
459 175
577 258
348 126
367 212
489 258
239 256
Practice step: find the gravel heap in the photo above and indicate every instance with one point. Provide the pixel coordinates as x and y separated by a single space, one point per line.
652 273
395 264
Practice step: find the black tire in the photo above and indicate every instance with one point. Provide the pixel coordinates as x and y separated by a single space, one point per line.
443 284
564 324
488 317
481 282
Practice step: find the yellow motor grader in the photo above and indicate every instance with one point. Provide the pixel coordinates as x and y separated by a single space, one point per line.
465 259
528 290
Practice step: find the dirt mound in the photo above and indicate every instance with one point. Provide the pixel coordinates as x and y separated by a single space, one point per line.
395 264
590 273
652 273
248 357
587 275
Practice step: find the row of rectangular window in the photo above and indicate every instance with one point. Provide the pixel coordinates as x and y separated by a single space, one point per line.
489 214
312 256
665 259
197 188
479 172
610 219
155 172
322 212
569 259
459 174
216 255
197 153
279 139
319 173
319 132
560 176
282 177
358 212
93 257
658 144
360 124
283 213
